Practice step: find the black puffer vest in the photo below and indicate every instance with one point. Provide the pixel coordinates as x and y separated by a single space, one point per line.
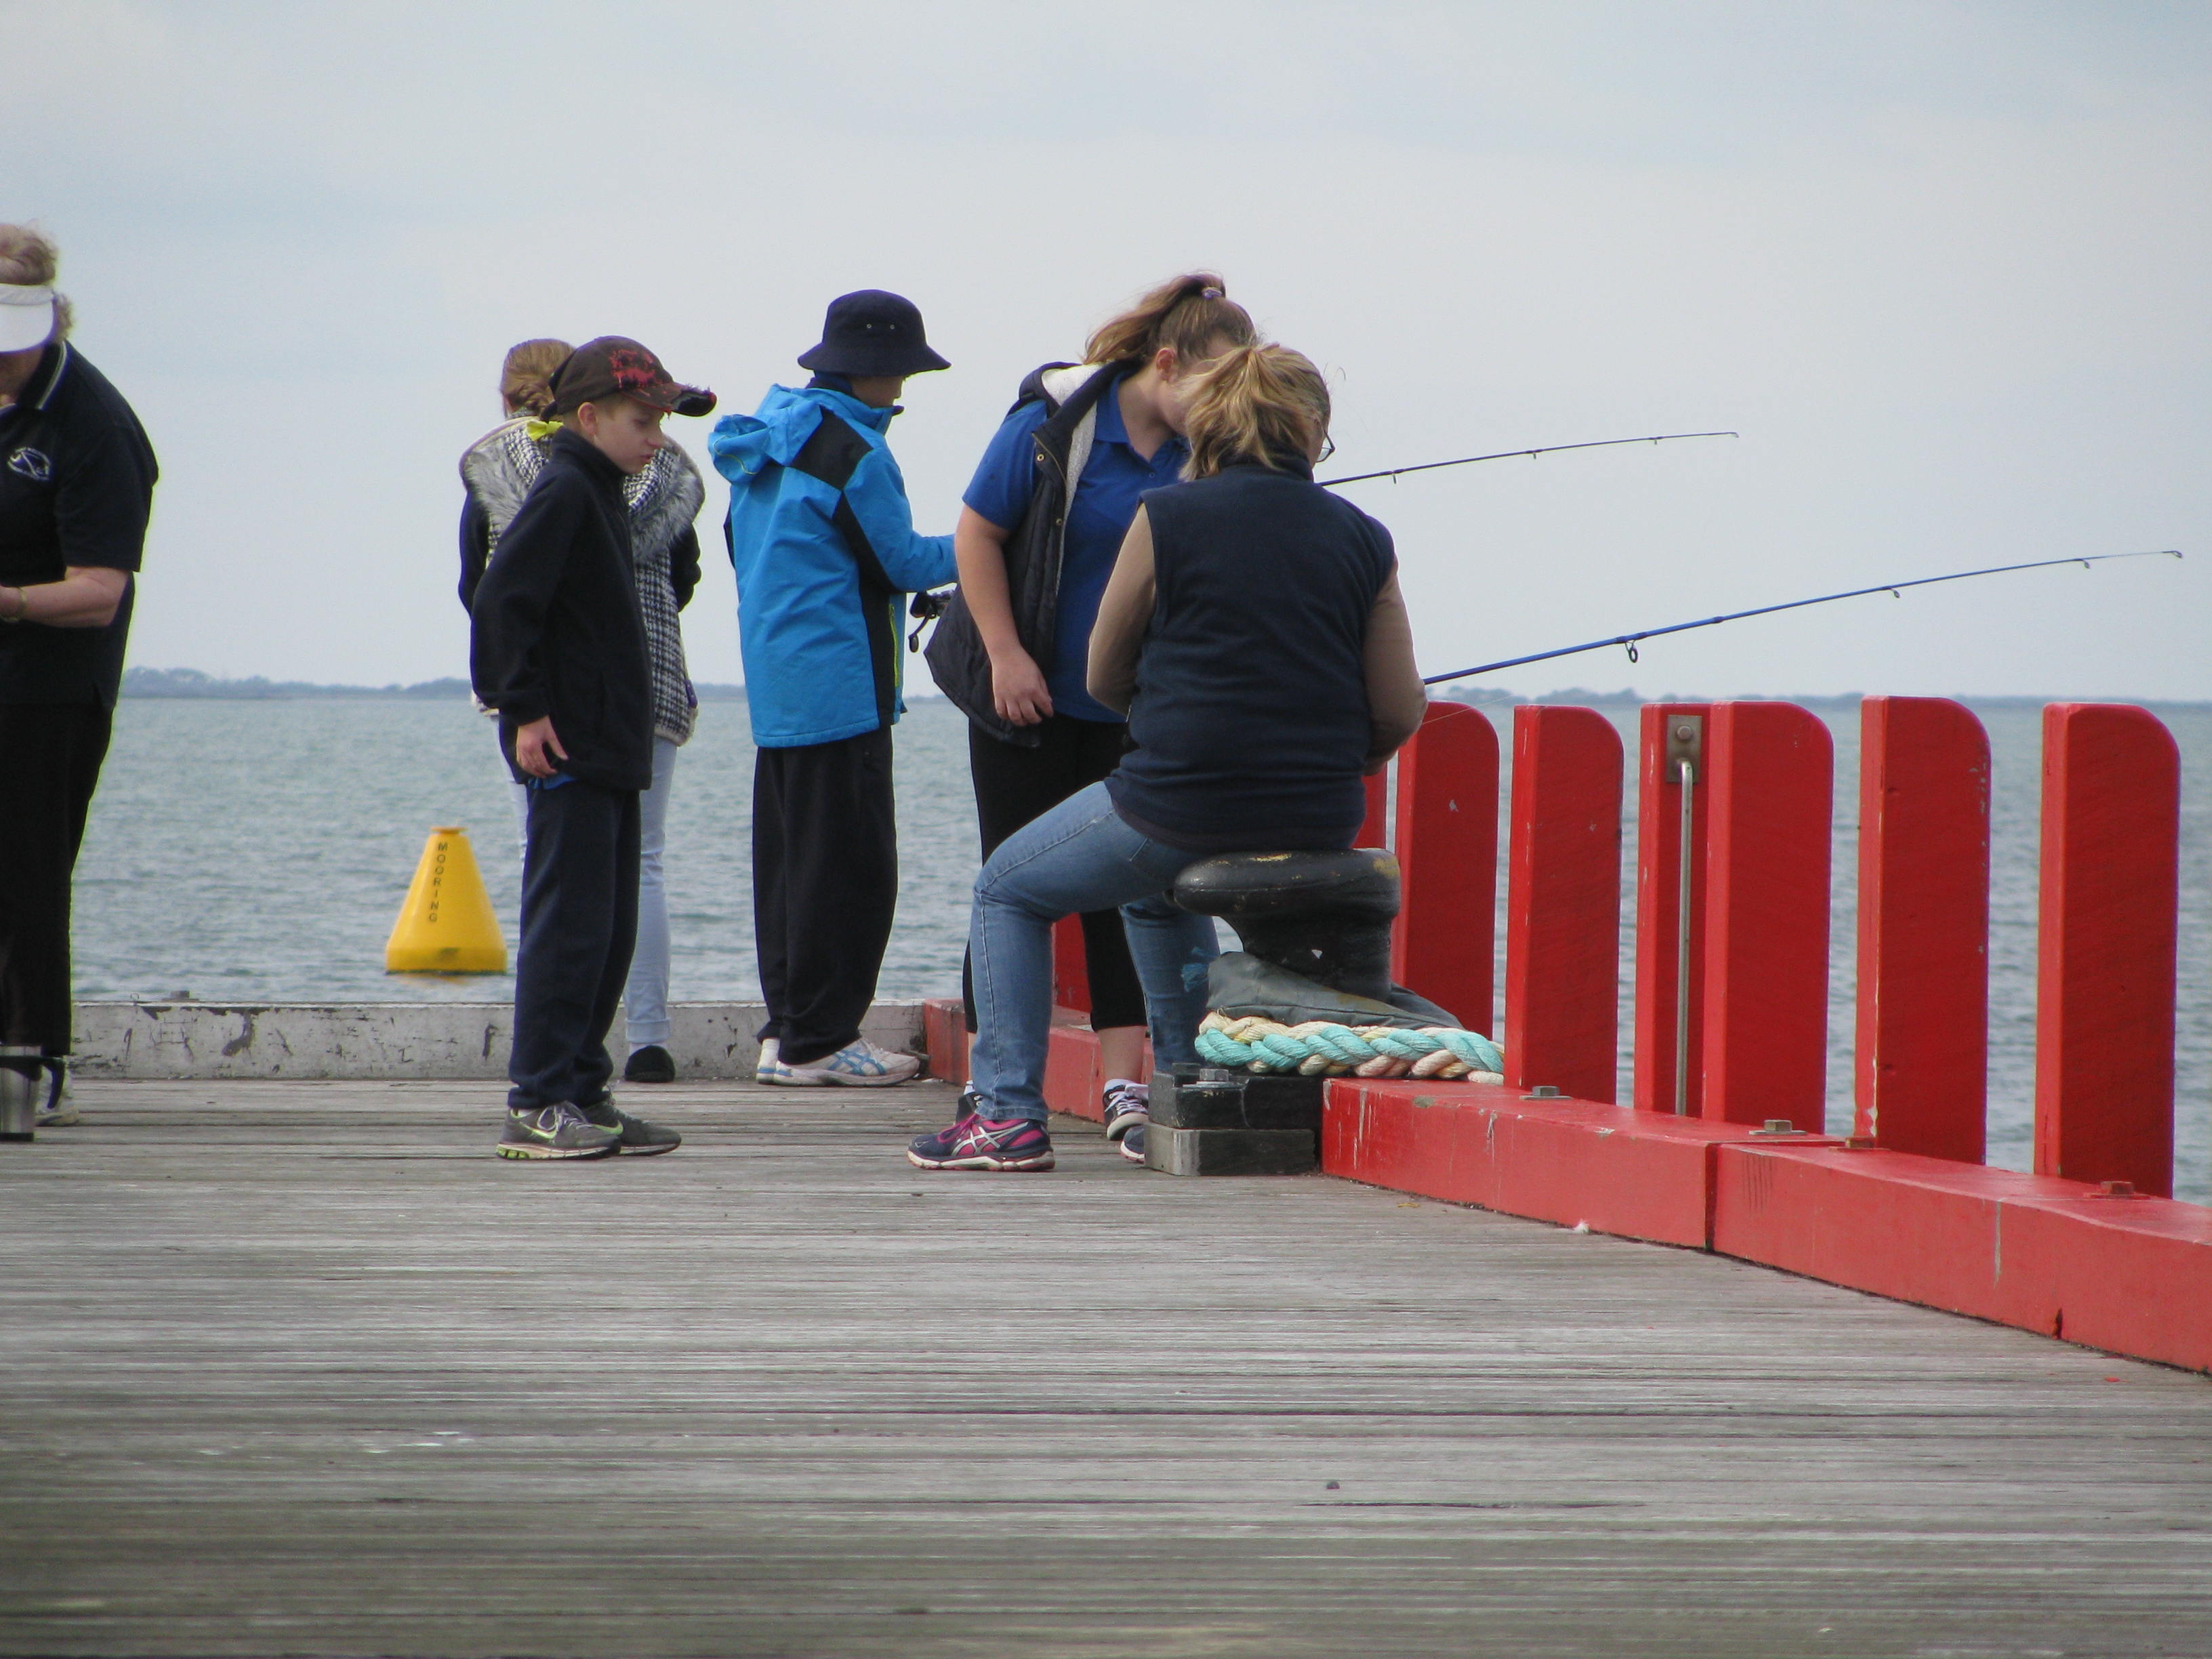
957 659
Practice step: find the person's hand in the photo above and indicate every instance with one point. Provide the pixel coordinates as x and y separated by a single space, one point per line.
537 747
1018 689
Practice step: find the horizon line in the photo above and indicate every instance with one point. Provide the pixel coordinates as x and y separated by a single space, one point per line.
214 688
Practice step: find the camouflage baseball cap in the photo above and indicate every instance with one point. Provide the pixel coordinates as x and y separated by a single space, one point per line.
613 367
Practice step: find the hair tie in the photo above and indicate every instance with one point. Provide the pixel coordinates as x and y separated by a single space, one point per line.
1209 293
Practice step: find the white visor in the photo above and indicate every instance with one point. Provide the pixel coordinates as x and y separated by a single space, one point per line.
27 317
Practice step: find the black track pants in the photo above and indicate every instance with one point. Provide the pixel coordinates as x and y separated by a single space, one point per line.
50 758
579 925
825 884
1014 786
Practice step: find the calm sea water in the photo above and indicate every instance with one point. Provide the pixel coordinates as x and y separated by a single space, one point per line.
258 851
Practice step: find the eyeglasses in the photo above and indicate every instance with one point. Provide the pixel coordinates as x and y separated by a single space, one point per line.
1328 449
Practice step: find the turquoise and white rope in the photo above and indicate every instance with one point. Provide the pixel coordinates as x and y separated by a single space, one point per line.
1322 1048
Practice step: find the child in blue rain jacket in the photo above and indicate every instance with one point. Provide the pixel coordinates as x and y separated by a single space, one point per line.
826 554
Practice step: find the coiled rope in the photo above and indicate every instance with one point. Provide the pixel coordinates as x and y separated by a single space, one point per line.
1321 1049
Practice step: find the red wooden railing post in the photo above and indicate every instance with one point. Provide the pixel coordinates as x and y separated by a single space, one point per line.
1563 902
1658 910
1444 945
1769 807
1923 963
2105 943
1071 971
1374 828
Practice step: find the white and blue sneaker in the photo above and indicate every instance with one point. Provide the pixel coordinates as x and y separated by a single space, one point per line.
764 1068
57 1110
859 1064
1129 1106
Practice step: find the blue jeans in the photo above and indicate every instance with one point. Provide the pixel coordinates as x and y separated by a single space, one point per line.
1078 857
644 999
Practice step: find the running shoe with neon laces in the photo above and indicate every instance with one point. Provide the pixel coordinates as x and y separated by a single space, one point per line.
637 1135
554 1132
984 1143
859 1064
1129 1106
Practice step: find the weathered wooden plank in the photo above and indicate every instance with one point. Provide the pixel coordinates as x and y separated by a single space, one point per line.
303 1369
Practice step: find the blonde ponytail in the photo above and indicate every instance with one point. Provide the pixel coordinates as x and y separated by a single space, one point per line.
1192 313
1264 404
526 379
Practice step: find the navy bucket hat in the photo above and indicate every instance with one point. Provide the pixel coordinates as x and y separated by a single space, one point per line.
870 333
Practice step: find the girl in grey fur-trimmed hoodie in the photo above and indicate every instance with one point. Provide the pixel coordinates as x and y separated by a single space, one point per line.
496 473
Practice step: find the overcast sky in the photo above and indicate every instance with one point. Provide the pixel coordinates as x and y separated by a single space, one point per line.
1947 268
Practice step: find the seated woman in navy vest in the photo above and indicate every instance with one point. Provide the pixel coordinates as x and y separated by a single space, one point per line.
1254 632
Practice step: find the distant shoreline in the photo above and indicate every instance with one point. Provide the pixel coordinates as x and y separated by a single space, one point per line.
191 682
183 682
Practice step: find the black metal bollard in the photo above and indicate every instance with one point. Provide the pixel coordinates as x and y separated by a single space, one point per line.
1326 916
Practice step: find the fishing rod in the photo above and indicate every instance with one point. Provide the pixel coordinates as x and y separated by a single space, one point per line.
929 606
1510 455
1895 590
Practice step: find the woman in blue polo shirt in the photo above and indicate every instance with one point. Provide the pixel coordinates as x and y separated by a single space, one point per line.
1041 525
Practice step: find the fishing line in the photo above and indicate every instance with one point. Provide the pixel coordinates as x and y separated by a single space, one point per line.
928 606
1509 454
1629 641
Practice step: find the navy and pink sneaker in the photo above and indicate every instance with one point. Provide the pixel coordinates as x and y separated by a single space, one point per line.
984 1143
929 1152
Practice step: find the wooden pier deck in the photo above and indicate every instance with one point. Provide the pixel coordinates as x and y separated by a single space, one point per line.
301 1368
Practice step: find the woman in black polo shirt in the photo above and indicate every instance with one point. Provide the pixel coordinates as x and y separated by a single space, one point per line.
76 485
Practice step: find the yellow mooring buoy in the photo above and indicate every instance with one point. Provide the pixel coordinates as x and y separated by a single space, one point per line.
446 925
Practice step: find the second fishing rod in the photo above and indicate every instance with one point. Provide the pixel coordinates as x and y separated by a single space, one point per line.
1632 642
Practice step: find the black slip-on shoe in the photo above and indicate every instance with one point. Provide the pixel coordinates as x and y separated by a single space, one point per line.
651 1064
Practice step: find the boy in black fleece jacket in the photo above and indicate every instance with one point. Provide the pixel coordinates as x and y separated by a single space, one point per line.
558 647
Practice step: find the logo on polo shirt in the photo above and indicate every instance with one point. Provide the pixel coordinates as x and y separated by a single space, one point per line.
31 463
